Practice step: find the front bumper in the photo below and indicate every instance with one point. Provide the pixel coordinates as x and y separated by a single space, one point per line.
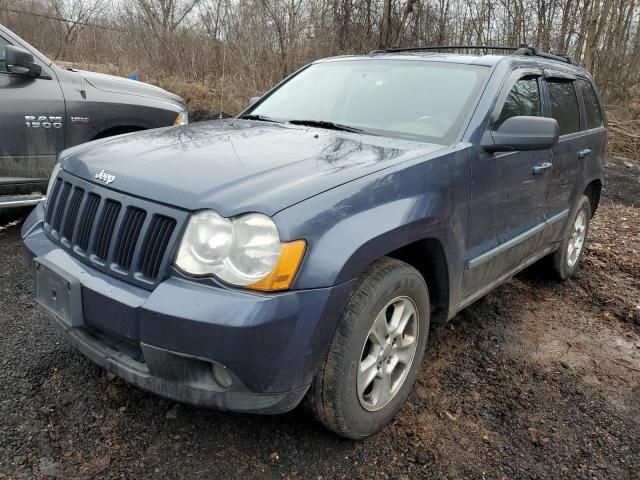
167 340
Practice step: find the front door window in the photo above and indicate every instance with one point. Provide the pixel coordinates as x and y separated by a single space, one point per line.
523 99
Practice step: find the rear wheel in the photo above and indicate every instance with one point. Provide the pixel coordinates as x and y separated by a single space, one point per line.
375 353
567 258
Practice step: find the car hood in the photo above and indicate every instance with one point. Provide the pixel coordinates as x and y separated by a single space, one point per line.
236 166
113 84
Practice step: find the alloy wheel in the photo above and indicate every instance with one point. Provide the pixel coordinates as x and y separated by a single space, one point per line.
576 240
388 353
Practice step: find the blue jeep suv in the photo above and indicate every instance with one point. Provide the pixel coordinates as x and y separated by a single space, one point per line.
301 250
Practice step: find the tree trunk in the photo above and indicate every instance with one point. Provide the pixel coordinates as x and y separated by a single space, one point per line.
385 30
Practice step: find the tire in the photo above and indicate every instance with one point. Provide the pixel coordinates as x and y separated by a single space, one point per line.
339 396
566 260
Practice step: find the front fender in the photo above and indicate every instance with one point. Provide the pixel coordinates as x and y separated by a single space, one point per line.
351 226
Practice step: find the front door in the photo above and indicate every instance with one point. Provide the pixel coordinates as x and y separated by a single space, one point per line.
507 194
32 115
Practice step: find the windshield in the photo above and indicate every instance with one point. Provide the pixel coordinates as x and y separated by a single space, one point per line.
418 100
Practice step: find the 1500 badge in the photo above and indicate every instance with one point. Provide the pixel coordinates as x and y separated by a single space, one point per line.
43 121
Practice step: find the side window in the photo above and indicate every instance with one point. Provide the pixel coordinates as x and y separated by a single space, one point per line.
564 105
3 43
591 105
523 99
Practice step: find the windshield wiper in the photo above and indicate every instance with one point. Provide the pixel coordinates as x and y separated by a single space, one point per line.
261 118
329 125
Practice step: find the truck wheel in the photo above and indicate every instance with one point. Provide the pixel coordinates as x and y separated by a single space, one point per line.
567 258
375 353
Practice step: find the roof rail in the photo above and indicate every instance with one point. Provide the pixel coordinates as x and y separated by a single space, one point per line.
525 49
522 49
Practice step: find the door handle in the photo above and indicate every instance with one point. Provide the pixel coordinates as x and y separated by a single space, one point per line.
584 153
539 169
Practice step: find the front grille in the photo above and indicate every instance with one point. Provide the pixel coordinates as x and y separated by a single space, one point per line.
157 238
106 227
128 237
72 215
125 236
61 204
52 199
86 222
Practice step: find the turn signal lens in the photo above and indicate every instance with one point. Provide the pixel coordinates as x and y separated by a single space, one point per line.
283 274
181 119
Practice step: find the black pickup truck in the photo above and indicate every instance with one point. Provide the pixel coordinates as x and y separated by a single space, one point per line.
45 108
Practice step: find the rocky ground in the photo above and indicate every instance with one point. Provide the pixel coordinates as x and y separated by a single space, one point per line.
539 379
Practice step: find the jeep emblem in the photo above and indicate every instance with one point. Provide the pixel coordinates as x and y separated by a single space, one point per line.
105 177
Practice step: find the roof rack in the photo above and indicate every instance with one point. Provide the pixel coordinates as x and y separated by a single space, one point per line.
522 49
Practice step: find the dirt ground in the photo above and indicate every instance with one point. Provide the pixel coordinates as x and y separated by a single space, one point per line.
539 379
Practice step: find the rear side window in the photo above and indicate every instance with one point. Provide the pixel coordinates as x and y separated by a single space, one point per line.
564 105
523 99
591 105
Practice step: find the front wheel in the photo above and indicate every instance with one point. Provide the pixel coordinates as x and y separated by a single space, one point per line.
376 351
567 258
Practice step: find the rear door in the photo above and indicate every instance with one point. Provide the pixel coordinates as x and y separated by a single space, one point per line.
563 105
508 194
31 121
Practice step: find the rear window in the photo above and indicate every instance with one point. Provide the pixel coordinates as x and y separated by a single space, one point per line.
591 105
564 105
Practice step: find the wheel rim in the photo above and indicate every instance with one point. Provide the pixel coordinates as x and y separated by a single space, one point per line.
388 353
576 240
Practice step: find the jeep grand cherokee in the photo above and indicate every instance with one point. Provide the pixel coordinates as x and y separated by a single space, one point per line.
302 249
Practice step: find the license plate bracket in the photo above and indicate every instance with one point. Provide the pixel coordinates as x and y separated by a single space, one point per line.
58 292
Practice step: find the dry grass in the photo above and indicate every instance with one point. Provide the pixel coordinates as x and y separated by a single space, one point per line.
624 132
229 95
199 96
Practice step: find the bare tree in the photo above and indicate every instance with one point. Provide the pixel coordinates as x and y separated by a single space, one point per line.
257 42
77 15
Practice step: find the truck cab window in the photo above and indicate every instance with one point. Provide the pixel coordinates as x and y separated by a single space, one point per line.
3 65
523 99
564 105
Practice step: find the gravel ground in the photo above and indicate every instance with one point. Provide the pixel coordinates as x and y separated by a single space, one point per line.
537 380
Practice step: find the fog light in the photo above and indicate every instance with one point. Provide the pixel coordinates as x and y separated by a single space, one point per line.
222 375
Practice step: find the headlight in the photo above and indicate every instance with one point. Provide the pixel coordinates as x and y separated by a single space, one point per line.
244 251
52 179
182 118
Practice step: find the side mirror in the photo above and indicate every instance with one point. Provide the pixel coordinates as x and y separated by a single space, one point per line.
522 133
253 100
21 62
